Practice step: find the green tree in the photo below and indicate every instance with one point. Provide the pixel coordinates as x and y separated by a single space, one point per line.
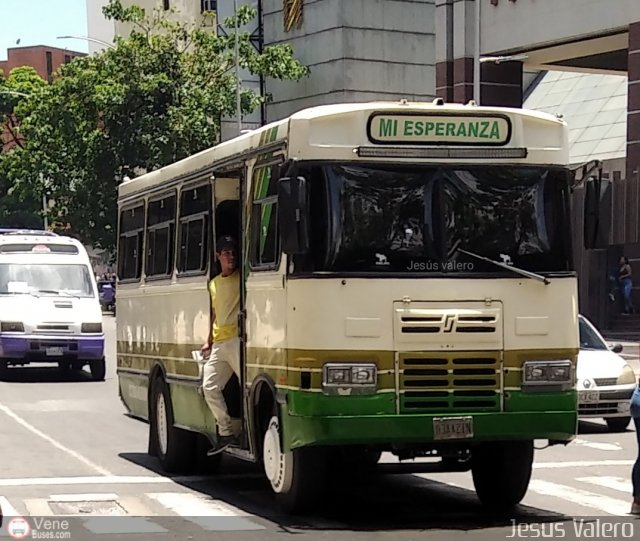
156 97
16 209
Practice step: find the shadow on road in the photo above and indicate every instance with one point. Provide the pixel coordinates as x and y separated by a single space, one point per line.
594 427
46 374
359 502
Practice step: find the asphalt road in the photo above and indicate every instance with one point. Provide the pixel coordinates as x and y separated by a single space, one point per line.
69 452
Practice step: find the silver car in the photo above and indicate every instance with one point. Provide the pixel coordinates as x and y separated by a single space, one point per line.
605 380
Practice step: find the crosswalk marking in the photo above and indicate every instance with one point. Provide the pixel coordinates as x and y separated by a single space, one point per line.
580 497
208 514
582 464
615 483
7 509
598 445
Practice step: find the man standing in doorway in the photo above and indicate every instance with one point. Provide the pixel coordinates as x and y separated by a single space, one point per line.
223 346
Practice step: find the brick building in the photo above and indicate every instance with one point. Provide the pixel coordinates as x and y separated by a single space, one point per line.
45 60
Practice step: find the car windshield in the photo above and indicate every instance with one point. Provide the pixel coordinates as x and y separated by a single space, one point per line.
403 219
588 338
40 279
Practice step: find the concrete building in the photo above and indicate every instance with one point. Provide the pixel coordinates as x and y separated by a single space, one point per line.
356 50
98 27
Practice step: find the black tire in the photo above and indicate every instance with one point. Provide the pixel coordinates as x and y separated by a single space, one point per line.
4 368
177 454
618 424
98 369
501 472
301 479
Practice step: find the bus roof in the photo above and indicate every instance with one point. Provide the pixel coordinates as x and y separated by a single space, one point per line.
337 131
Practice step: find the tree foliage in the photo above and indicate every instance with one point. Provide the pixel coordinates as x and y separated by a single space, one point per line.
156 97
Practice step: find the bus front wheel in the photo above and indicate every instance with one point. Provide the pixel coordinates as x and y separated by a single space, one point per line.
297 476
501 472
175 447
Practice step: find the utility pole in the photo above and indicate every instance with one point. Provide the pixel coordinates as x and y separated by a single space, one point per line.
238 83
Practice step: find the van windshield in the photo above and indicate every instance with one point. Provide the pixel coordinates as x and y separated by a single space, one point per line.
40 279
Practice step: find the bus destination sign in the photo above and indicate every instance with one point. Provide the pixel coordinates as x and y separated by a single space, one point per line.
439 129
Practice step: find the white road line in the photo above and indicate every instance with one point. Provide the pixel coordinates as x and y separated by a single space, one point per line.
7 411
582 464
598 445
211 515
615 483
583 498
106 480
83 497
7 509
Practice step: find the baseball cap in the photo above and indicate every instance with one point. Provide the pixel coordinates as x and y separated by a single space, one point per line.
225 242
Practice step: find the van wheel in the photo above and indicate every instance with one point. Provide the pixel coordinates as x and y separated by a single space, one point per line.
297 477
98 369
174 447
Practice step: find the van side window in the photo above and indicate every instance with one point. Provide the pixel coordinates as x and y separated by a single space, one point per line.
161 231
130 243
195 219
265 246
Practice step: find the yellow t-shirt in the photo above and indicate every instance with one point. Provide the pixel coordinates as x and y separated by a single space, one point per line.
225 296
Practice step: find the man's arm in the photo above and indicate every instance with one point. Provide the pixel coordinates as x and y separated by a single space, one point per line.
212 317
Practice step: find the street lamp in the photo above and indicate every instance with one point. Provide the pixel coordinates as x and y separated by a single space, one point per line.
237 54
14 93
87 38
507 58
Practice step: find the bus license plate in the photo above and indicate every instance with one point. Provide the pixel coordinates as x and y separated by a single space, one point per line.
589 397
452 428
54 352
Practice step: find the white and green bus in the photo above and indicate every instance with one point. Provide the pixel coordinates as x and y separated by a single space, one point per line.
408 288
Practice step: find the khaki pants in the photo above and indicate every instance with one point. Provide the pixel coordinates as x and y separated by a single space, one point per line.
223 362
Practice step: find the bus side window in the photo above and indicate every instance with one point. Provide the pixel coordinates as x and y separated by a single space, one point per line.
193 235
130 243
264 241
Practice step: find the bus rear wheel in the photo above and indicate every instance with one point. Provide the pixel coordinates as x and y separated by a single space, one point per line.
298 476
501 472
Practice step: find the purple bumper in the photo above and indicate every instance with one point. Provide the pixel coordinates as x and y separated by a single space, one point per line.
51 348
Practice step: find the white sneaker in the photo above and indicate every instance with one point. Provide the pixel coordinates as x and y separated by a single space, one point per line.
635 509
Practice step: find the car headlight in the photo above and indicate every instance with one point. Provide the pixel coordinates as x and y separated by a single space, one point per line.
349 378
91 327
628 376
557 374
11 326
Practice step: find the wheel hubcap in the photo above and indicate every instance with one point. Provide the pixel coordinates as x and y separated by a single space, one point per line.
277 465
161 424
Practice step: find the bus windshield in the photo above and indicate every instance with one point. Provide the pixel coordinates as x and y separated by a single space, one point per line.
41 279
417 219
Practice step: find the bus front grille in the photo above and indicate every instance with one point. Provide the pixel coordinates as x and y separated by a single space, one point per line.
452 382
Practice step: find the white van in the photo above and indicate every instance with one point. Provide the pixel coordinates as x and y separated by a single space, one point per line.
49 305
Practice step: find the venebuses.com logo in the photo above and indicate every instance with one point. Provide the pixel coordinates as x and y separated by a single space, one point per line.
43 528
18 528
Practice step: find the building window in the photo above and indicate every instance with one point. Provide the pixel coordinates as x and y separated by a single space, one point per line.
292 11
208 5
130 243
265 249
49 66
161 235
165 4
67 58
195 223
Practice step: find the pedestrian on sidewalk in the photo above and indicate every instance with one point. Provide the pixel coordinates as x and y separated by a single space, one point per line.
635 474
626 284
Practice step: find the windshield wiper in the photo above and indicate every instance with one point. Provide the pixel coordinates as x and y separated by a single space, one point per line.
57 292
517 270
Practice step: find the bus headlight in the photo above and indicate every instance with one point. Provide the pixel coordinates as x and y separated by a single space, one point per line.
347 378
551 375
